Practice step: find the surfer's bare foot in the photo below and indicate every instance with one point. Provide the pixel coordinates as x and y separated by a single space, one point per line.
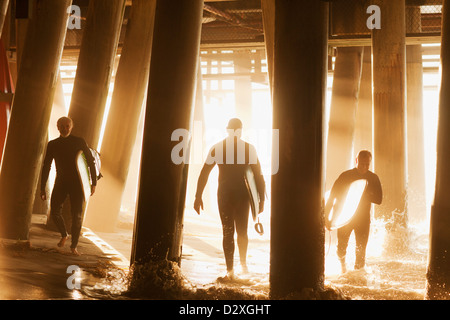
230 275
75 251
228 278
343 266
244 268
62 242
23 244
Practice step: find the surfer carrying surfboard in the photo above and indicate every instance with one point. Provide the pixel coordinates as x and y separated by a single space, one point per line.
360 221
233 157
64 151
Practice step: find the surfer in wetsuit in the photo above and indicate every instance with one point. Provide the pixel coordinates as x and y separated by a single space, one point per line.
360 223
232 195
67 183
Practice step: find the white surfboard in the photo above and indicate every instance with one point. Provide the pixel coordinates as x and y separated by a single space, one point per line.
252 192
83 175
345 208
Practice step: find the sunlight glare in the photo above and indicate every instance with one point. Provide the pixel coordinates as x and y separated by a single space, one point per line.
350 205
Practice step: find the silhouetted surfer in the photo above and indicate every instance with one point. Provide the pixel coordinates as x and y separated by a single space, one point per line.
360 223
64 151
233 156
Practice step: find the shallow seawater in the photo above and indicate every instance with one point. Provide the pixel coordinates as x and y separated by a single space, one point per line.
395 268
396 265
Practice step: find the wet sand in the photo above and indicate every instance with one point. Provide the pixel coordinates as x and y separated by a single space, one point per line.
385 277
40 272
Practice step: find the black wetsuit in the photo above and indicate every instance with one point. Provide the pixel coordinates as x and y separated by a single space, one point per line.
360 222
232 194
64 152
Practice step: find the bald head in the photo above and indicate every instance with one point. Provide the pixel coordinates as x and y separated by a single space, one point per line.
64 125
363 161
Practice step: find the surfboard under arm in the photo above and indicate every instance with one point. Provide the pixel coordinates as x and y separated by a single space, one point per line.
345 207
83 174
252 189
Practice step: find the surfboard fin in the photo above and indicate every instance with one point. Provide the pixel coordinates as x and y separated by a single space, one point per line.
259 228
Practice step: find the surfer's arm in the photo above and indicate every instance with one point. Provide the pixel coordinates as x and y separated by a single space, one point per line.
91 164
259 179
257 172
46 170
376 193
336 191
202 179
207 167
260 184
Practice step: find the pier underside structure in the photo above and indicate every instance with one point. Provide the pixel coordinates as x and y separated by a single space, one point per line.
342 76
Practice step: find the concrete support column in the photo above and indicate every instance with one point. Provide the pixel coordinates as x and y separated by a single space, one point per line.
438 274
3 11
243 88
344 103
95 65
197 149
268 9
389 98
27 135
4 4
162 187
6 96
130 85
6 27
417 210
5 106
23 9
363 125
300 78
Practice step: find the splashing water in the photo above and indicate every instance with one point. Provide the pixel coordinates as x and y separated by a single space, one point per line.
396 263
389 274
